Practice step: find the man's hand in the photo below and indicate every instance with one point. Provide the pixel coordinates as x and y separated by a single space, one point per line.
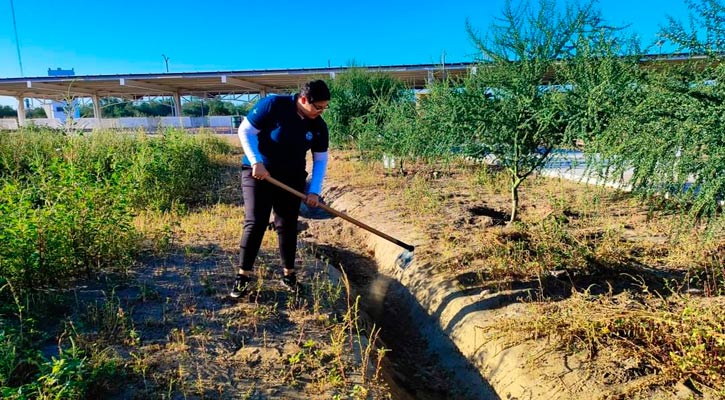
312 200
259 171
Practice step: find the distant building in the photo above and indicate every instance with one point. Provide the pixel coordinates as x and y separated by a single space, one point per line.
57 109
61 72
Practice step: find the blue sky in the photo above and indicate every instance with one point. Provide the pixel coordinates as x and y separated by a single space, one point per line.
109 37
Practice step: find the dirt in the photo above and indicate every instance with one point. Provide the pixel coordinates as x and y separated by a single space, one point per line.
194 341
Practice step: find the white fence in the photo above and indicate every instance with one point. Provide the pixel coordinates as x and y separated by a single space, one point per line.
149 124
8 123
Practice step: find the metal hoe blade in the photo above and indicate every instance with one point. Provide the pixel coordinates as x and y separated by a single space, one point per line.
404 259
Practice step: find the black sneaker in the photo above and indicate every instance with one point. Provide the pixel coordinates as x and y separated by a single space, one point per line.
290 283
241 286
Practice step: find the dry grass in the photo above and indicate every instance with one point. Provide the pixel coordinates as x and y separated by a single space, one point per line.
632 341
219 224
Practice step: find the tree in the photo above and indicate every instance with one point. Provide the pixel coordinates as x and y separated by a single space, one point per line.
86 111
525 111
602 79
242 109
354 93
671 140
37 112
219 107
706 32
388 129
7 111
112 107
450 120
155 108
196 108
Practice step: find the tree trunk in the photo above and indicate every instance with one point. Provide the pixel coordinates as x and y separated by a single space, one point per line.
515 198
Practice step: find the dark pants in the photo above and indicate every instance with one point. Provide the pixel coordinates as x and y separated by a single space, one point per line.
260 199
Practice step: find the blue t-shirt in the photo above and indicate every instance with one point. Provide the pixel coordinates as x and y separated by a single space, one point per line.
284 136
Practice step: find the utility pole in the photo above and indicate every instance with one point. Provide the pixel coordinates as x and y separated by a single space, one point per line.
166 60
17 41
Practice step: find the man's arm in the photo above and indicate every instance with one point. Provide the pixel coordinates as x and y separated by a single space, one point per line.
248 135
319 168
250 141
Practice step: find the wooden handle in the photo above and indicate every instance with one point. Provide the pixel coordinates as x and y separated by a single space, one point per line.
341 215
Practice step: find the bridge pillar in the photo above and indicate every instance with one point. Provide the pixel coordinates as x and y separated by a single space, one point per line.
21 111
97 109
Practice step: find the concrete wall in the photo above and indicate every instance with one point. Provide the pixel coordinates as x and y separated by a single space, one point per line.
45 122
8 123
150 124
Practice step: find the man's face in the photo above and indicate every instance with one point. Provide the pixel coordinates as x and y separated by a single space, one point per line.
312 110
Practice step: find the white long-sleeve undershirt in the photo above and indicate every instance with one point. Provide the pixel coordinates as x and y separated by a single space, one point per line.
250 142
319 168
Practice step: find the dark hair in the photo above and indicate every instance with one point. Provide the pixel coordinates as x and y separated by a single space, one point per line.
315 91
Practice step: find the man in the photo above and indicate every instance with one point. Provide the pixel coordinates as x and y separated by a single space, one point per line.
275 136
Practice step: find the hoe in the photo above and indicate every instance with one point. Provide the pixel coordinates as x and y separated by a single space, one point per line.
403 259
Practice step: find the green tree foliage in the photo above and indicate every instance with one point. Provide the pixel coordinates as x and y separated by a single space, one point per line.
242 109
214 106
670 141
196 108
86 111
388 129
451 116
354 93
38 112
112 107
7 111
439 123
155 108
219 107
600 80
705 33
524 115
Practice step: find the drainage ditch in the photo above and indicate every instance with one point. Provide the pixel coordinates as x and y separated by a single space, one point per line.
422 363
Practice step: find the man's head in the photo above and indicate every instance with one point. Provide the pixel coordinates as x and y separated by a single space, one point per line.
313 99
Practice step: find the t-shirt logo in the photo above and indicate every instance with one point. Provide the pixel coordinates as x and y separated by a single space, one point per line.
308 136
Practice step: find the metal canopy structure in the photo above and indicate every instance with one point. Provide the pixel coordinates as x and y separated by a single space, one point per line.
209 84
200 84
204 84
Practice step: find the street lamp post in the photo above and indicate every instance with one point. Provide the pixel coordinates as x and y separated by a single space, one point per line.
166 60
